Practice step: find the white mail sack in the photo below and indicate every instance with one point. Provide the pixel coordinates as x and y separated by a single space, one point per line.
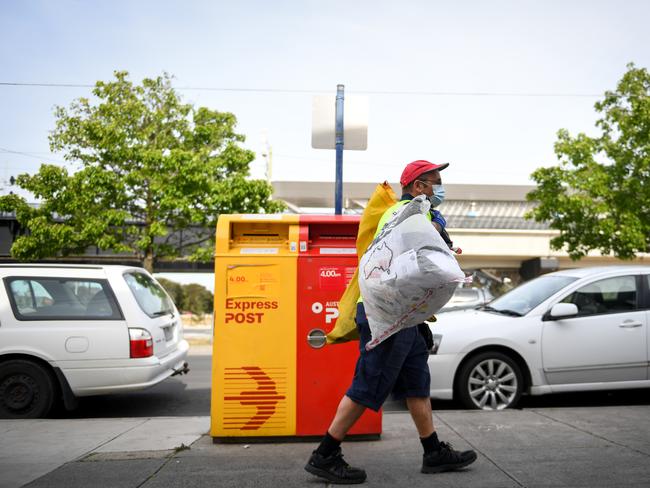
407 274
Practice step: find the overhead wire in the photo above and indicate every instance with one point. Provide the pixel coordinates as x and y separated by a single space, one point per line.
313 91
31 155
305 91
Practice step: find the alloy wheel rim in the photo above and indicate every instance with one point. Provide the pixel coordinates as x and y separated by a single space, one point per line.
492 384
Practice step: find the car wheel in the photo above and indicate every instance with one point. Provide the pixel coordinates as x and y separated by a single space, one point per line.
26 390
490 381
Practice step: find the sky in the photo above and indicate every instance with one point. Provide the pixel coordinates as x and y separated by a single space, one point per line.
482 85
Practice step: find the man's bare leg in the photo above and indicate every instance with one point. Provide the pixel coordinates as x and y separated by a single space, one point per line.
347 413
420 409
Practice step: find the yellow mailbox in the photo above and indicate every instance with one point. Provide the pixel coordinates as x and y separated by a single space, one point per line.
254 347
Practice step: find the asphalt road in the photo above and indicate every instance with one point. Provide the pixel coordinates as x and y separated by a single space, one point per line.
189 395
180 396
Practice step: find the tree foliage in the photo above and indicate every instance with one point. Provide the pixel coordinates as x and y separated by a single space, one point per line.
193 297
174 289
198 299
148 165
598 197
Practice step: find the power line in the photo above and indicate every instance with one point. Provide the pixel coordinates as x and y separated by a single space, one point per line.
30 155
47 85
314 91
397 92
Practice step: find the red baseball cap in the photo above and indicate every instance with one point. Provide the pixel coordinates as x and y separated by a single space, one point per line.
417 168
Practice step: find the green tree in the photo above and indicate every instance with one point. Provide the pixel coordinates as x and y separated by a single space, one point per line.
192 297
148 166
598 197
174 290
198 299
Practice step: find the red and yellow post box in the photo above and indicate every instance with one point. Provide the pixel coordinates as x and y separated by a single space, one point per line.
278 279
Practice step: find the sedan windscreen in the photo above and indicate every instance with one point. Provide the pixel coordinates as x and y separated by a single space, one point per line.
522 299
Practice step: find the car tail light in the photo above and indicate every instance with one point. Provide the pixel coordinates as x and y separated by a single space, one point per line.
141 343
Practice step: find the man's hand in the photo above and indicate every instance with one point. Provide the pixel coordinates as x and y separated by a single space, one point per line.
437 218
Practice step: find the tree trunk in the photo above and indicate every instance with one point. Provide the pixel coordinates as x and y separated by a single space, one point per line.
147 263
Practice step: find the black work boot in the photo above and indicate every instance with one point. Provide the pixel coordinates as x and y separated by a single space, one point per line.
446 459
334 469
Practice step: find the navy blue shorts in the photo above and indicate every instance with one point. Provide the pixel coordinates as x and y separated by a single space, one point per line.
397 365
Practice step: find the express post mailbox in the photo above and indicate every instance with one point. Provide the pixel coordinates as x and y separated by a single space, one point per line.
254 345
278 279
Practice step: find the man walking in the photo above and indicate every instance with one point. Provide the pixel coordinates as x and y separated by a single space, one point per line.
397 365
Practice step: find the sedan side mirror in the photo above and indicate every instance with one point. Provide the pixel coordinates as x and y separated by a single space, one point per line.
561 311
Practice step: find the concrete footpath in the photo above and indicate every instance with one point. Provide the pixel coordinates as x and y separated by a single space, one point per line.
543 447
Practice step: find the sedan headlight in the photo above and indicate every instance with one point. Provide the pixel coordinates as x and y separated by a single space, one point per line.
437 339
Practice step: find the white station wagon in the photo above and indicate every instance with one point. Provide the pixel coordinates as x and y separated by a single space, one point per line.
573 330
69 331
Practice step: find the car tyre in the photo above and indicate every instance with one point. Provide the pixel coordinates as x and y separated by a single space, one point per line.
26 390
490 381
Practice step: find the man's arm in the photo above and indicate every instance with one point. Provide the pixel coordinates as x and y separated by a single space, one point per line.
438 220
440 224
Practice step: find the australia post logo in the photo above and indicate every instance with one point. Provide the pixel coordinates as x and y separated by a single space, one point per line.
248 311
330 309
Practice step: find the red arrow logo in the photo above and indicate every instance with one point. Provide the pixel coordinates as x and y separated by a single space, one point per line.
253 397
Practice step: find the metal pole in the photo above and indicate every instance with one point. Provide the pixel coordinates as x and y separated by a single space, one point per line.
338 189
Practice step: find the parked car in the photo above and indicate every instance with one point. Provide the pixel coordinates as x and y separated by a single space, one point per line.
72 331
464 298
574 330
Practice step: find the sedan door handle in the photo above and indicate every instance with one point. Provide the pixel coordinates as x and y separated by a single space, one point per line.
630 325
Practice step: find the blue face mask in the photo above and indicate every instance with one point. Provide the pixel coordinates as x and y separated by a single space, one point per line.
438 195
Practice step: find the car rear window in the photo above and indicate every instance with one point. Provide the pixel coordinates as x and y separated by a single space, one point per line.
54 298
151 297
